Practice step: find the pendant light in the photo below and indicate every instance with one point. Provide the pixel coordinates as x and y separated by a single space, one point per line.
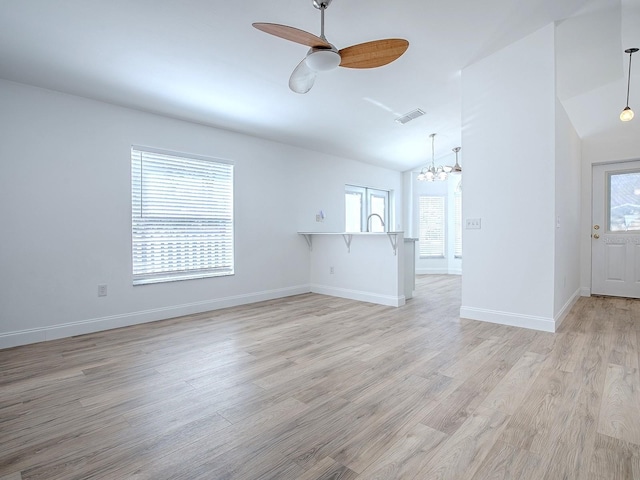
627 113
433 173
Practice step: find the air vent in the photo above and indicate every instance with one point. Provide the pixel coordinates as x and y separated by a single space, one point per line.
412 115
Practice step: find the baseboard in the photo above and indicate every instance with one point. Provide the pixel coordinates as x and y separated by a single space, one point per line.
507 318
567 308
369 297
24 337
437 271
585 291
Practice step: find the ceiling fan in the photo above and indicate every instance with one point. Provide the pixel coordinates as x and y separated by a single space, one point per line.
323 56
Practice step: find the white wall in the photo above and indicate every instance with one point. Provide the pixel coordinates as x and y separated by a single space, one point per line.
65 205
508 138
567 234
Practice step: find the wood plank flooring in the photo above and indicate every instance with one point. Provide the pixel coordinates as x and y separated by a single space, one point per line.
313 387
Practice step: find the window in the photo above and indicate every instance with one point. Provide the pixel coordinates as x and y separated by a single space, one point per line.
361 203
624 202
182 217
457 221
432 224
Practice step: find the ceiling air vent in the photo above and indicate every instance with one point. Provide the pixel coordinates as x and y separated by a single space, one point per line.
412 115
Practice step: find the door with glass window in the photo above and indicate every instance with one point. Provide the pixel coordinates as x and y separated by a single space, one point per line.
615 230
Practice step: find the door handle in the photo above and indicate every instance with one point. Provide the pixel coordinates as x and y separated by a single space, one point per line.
596 236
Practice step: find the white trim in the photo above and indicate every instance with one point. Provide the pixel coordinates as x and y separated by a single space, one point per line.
585 291
564 311
181 154
507 318
361 296
34 335
438 271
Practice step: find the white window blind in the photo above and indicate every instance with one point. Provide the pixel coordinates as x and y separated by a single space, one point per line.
182 217
432 225
457 206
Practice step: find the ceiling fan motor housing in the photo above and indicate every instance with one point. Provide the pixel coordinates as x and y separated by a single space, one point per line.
320 4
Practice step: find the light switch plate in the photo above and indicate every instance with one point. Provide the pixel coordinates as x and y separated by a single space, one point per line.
473 223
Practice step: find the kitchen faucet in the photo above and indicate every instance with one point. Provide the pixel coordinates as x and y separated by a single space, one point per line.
374 215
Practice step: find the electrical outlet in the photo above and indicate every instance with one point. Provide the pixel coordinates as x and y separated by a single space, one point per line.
318 218
102 290
331 271
473 223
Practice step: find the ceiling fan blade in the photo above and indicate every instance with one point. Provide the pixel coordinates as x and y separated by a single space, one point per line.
302 78
373 54
292 34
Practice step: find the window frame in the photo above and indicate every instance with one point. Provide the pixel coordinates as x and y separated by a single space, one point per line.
608 206
366 194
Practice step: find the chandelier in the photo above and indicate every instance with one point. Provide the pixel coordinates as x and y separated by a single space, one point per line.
432 172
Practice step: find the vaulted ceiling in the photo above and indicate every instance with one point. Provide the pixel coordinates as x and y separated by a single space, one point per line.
202 61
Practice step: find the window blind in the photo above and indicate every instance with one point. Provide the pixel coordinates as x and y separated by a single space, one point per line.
457 206
182 217
431 212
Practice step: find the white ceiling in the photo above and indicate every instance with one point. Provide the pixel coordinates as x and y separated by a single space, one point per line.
202 61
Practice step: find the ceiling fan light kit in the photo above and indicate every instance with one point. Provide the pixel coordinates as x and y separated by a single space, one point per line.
627 113
323 56
322 60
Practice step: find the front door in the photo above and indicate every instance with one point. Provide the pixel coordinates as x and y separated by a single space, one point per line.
615 230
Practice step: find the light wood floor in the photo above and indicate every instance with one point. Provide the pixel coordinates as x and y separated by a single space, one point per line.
314 387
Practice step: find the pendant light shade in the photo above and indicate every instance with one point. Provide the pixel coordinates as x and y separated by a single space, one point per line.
627 113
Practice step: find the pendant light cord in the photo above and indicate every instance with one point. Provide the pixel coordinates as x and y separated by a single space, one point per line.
629 78
433 151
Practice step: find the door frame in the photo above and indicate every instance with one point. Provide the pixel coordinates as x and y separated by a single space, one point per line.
618 165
